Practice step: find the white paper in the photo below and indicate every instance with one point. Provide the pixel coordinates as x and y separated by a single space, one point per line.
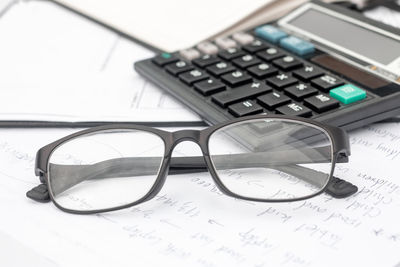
385 15
190 223
58 66
168 25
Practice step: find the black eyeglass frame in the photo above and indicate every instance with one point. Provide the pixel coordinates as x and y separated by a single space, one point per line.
340 151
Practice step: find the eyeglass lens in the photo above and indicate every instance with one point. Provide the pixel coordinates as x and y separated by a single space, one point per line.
285 160
105 169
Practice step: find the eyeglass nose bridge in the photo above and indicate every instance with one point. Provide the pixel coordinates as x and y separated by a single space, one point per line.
184 135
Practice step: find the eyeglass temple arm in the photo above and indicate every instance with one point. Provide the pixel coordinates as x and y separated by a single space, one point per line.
70 175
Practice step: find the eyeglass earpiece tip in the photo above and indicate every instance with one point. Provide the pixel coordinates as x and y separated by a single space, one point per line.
339 188
39 193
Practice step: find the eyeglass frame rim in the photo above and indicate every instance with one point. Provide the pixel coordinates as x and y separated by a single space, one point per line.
338 137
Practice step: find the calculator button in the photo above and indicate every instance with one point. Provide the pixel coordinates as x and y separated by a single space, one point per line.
209 86
205 60
225 42
231 53
178 67
190 53
262 70
300 91
246 61
245 108
236 78
270 54
193 76
207 48
226 98
273 100
164 59
296 45
326 82
220 68
348 94
294 109
281 80
255 46
243 38
270 33
308 72
321 103
287 63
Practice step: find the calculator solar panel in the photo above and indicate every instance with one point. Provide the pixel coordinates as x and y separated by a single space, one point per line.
269 70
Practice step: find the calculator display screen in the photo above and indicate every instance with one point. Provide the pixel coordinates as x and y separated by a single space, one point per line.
343 33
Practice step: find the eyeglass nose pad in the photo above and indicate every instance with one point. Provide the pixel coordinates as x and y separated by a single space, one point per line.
162 176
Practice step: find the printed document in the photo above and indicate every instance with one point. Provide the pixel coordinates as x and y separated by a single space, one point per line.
190 223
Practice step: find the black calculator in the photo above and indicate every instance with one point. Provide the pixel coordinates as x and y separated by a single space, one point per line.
320 61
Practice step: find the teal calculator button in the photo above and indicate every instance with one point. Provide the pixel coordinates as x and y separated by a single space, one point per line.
270 33
348 93
166 55
297 45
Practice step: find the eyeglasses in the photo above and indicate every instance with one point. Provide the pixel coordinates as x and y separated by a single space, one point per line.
258 158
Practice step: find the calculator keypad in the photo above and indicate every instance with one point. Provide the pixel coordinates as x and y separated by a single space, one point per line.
248 75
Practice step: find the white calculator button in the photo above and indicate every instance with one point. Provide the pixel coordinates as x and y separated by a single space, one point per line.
225 42
207 48
243 38
190 53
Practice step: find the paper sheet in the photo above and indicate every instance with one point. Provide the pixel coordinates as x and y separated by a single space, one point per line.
190 223
156 22
58 66
385 15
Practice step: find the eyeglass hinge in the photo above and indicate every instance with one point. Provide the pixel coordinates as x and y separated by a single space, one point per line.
39 193
342 158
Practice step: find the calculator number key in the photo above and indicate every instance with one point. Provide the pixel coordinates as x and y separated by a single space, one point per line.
287 63
270 54
220 68
209 86
205 60
262 70
246 61
193 76
178 67
236 78
255 46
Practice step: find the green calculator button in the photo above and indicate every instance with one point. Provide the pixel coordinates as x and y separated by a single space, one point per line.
348 93
166 55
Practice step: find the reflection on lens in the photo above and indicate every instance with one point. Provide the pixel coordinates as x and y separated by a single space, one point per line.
105 169
272 159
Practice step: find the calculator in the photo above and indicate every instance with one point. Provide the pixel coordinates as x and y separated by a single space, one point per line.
320 61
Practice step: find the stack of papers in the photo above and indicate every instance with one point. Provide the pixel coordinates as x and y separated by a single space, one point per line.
60 67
